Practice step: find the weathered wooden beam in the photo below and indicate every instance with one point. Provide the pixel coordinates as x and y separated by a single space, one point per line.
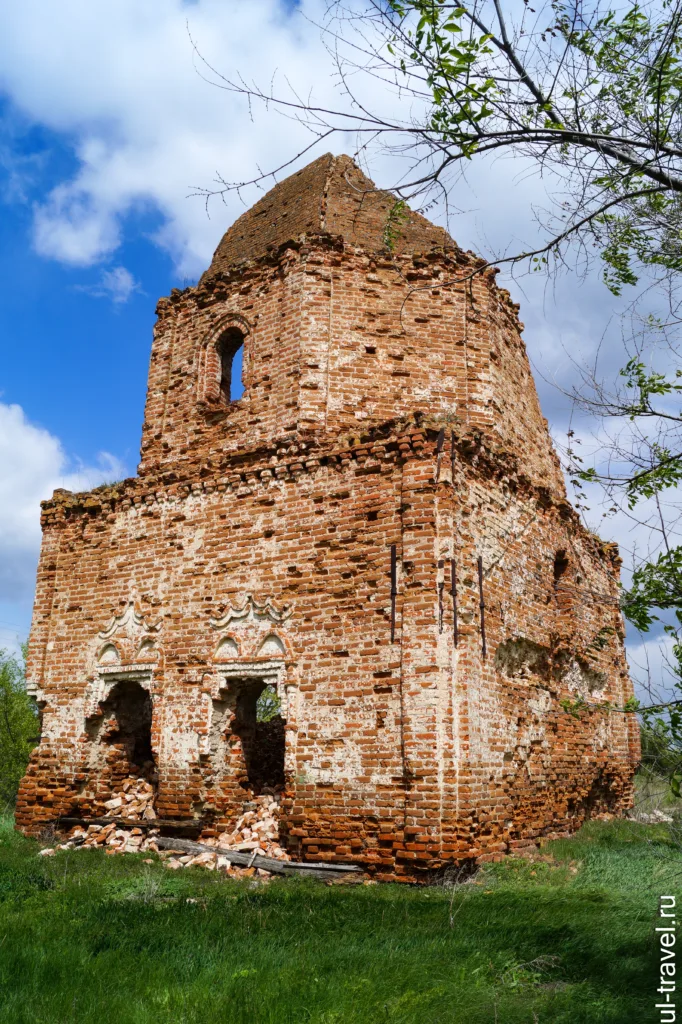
316 870
278 867
180 823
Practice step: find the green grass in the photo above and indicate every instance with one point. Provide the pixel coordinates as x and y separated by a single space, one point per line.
86 937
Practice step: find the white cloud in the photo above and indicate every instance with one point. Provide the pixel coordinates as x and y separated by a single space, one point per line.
122 85
72 227
33 464
117 284
146 129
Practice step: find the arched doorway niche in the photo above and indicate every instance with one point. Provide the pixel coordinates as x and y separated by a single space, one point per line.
252 704
119 730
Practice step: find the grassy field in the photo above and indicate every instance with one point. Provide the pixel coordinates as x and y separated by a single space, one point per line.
86 937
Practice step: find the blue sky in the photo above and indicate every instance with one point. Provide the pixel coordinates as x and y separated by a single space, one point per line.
74 351
75 339
105 131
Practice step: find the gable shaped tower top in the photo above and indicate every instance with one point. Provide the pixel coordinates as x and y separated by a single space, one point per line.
330 196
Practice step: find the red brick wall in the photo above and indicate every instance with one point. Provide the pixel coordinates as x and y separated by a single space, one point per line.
332 196
255 544
401 754
339 342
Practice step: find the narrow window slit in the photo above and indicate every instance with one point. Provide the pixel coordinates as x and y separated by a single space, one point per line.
560 566
230 350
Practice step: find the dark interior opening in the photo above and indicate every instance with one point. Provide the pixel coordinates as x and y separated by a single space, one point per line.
126 723
560 565
261 729
229 346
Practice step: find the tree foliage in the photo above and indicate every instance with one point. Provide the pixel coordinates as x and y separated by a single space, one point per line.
649 461
268 705
19 726
588 93
640 469
662 747
584 89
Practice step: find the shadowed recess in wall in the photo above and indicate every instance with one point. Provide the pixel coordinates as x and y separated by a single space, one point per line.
261 729
522 657
125 723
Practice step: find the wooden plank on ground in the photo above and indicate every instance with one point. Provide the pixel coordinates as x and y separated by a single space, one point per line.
181 823
278 867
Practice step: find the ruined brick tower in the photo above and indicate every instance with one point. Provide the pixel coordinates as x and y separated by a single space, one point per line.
377 529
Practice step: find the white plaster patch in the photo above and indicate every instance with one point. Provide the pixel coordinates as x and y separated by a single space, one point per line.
584 681
147 651
227 649
109 655
272 646
128 620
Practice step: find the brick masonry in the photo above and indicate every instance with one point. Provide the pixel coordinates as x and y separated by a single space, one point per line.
388 402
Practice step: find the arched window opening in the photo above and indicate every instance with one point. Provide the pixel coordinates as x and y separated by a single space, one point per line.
231 350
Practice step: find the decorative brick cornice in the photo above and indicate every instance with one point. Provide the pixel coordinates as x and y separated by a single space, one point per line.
292 460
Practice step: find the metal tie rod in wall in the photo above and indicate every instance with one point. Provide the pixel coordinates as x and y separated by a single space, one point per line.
439 449
394 587
441 587
481 604
453 592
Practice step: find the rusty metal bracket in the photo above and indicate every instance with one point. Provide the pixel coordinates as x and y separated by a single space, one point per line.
439 449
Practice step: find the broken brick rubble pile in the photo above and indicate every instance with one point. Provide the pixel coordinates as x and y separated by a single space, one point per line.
135 801
256 831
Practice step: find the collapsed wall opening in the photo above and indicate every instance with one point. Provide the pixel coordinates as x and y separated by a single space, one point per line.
123 730
261 728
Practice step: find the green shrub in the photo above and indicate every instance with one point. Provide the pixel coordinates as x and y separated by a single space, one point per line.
269 705
19 726
661 749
